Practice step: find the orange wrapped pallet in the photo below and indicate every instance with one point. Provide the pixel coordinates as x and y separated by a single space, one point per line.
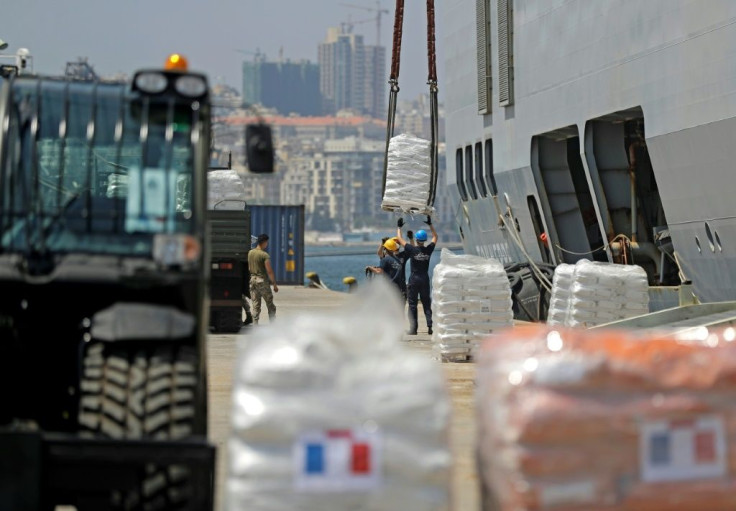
580 420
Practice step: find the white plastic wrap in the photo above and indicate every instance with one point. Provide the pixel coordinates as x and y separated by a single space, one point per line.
603 292
225 190
471 298
311 389
408 175
559 302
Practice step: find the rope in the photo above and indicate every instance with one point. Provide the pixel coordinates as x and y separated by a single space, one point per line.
396 53
581 253
431 48
602 247
546 284
432 82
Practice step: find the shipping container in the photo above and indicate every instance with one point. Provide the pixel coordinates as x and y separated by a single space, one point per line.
285 228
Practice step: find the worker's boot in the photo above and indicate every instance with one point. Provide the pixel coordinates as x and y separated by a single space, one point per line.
248 319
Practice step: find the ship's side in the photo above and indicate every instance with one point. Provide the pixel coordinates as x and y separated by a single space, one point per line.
568 118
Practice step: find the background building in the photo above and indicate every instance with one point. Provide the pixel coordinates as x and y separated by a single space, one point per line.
376 76
352 74
288 87
332 164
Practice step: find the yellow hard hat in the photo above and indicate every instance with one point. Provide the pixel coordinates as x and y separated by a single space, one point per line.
391 245
176 62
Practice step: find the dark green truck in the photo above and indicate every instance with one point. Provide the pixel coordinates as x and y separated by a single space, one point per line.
230 243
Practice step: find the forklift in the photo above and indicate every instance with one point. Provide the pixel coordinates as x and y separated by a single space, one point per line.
104 271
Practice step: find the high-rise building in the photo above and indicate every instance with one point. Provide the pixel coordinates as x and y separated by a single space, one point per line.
352 74
289 87
376 81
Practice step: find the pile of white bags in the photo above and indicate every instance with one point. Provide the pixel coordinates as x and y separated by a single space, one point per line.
471 298
408 176
333 412
225 185
597 293
117 186
559 301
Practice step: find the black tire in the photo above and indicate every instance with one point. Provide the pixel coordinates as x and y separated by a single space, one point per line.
136 393
229 321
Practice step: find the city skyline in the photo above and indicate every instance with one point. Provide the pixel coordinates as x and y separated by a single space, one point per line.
120 37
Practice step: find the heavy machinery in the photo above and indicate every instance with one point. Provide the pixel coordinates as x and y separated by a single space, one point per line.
230 235
104 263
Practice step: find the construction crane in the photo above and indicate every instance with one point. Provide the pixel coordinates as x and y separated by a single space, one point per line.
80 70
347 26
377 9
257 55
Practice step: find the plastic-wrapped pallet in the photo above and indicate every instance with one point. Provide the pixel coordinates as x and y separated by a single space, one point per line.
559 301
408 175
117 186
471 298
225 190
605 292
573 420
333 412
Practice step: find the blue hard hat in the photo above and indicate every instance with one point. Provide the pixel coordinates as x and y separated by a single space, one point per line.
421 235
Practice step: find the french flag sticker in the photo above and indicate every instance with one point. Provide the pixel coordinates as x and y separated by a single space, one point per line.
683 449
337 460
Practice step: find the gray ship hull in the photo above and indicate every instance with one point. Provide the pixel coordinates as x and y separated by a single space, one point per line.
610 124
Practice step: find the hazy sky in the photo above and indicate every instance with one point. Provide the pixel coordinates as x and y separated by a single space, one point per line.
123 35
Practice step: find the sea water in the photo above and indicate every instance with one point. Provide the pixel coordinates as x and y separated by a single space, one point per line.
332 265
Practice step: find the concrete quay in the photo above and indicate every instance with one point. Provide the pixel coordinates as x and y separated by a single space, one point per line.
222 354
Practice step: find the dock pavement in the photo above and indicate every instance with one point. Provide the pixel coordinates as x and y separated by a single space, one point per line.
222 354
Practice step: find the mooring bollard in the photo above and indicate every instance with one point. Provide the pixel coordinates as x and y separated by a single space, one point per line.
314 280
351 283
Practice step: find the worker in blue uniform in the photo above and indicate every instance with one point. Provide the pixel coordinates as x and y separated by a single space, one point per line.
419 287
393 266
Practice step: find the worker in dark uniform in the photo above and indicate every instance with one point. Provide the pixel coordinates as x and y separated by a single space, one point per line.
393 266
419 256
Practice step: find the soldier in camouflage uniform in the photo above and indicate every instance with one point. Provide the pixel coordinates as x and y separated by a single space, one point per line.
261 278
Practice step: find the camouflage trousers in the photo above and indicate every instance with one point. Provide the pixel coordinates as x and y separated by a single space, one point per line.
246 307
260 288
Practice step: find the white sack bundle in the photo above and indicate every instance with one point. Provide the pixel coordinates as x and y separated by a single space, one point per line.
408 175
604 292
333 412
225 190
559 302
471 299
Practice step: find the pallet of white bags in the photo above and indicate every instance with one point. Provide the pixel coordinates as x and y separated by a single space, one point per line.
412 211
408 176
456 357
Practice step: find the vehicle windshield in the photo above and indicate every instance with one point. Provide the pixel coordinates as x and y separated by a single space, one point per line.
93 168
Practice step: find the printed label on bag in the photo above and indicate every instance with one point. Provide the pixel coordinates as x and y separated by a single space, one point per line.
676 450
337 461
573 493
